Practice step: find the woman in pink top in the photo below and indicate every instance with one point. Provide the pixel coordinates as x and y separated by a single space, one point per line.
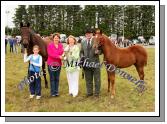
55 51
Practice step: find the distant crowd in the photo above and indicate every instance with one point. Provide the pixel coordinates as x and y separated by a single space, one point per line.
14 43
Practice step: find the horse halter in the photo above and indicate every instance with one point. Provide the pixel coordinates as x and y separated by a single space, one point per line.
27 37
99 44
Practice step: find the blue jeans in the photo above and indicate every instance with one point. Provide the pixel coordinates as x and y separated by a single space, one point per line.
11 48
35 86
54 79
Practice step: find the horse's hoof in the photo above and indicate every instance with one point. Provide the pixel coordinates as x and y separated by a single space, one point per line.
112 96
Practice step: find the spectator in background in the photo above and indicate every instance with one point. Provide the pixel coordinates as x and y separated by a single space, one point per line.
6 43
15 45
11 44
18 41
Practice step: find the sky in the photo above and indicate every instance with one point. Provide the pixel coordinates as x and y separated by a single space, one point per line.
9 13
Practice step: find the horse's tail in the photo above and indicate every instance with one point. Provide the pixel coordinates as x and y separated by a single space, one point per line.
146 55
145 64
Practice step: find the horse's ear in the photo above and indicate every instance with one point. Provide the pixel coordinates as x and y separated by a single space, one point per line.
28 24
98 31
21 24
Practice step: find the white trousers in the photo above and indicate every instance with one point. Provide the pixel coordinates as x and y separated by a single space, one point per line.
73 79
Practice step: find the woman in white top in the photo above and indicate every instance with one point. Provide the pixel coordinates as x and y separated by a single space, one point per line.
72 56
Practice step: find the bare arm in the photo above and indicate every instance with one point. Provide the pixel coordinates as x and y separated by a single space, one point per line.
26 59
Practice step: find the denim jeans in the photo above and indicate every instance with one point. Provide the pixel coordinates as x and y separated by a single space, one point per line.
54 79
11 48
35 86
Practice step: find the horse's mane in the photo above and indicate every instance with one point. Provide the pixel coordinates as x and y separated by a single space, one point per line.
108 40
38 40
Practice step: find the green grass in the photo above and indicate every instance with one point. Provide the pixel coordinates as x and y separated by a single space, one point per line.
126 100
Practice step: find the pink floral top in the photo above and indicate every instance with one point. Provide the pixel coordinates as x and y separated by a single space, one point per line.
54 54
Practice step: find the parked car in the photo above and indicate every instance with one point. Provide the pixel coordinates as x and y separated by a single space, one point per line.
8 36
77 38
141 39
152 40
63 38
113 37
81 38
18 39
135 41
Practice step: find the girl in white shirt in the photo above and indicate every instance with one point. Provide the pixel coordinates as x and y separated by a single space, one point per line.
34 70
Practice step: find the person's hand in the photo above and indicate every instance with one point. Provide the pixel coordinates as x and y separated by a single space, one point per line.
65 58
63 55
96 51
67 48
25 51
60 57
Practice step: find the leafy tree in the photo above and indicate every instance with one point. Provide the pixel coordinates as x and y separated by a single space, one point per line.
20 15
130 21
8 30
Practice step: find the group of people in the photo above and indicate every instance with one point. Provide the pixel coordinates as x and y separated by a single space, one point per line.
71 53
13 43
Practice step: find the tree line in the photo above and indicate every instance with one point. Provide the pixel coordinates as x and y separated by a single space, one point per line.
128 20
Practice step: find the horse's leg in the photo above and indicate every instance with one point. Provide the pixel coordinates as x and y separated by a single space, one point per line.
108 82
113 85
112 77
28 69
44 74
140 70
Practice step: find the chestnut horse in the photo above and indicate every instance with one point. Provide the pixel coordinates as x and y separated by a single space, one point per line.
29 39
120 57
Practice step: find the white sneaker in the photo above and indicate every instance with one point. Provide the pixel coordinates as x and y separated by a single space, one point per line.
38 97
74 95
32 96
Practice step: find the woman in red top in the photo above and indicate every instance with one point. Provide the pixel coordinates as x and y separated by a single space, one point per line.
55 51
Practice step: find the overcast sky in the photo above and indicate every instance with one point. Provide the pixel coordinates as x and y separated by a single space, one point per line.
11 11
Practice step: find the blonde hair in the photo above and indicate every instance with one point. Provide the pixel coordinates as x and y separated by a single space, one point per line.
75 41
36 46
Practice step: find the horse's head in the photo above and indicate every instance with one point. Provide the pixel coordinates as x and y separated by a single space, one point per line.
98 39
25 34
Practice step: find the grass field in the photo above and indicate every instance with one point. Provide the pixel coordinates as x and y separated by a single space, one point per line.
126 100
